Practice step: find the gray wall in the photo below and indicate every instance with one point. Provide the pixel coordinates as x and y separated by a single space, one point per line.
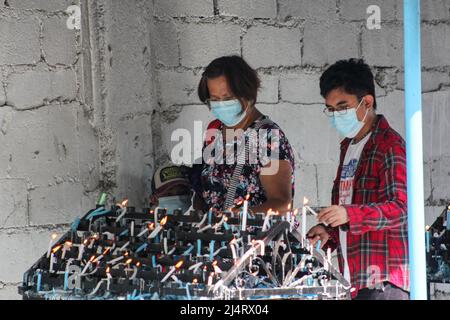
93 109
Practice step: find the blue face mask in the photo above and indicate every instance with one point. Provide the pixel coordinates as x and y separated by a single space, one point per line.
229 112
347 124
175 202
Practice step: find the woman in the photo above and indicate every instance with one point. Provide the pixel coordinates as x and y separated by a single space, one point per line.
229 88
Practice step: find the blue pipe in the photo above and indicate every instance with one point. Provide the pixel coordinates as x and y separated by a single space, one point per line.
414 149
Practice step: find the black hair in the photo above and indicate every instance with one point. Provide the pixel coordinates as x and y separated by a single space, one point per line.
353 76
244 81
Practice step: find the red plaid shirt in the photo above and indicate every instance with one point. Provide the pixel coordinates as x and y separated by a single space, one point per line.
377 237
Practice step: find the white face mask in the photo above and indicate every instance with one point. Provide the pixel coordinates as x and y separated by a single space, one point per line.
347 124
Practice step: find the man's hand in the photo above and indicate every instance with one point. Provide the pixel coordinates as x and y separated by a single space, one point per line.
318 233
333 216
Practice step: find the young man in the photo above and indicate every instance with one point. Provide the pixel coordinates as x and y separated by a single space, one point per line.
368 219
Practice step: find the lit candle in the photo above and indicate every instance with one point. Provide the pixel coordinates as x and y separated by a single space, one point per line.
155 216
448 218
67 245
52 239
52 260
172 270
87 265
158 228
150 226
210 216
123 205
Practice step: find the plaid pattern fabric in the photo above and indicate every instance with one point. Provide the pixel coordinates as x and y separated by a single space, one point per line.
377 237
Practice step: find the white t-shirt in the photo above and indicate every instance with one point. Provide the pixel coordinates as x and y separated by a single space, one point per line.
346 190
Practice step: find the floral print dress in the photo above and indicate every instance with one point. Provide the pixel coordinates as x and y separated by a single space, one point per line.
216 176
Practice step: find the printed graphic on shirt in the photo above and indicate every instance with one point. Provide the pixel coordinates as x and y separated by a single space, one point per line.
346 184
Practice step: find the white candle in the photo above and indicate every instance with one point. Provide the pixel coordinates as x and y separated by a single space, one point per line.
124 211
52 260
149 227
244 214
116 260
52 239
132 228
233 250
155 216
81 250
155 232
210 279
266 221
172 270
303 226
165 245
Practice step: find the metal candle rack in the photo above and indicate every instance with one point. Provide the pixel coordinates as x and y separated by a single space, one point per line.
118 253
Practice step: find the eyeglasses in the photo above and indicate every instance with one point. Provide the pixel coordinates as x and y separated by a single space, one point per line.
330 112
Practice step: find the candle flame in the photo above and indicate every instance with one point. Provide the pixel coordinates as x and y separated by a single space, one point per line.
124 202
92 259
106 251
108 269
225 218
305 201
427 228
54 235
163 221
151 226
129 261
239 203
214 263
179 264
289 207
68 243
247 197
194 281
125 254
55 249
138 264
269 211
295 211
85 241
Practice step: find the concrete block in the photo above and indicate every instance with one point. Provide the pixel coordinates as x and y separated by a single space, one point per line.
248 8
269 89
20 249
431 214
59 42
9 292
436 125
2 95
307 9
56 204
178 87
337 41
357 9
42 145
440 291
266 46
440 177
36 87
177 8
435 45
383 47
301 88
431 80
166 44
187 130
20 40
47 5
306 128
305 185
392 107
430 10
14 208
201 43
133 157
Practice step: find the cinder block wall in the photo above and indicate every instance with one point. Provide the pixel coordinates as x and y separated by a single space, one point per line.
94 109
